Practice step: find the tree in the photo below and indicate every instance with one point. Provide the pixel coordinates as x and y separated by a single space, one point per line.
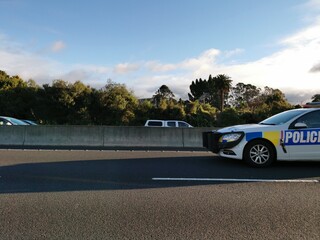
223 85
270 102
162 95
200 114
114 105
81 94
57 102
316 98
7 82
144 111
213 91
17 99
198 88
228 117
243 96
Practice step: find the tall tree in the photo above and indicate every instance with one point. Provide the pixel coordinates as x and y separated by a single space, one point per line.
197 89
223 86
162 96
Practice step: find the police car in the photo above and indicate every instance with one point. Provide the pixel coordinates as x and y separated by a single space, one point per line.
290 135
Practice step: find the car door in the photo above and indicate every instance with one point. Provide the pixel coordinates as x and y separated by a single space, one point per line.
302 139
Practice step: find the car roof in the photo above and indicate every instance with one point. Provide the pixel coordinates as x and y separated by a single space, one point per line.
11 119
312 105
165 120
305 109
7 118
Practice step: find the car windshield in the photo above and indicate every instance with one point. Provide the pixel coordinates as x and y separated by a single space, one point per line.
282 118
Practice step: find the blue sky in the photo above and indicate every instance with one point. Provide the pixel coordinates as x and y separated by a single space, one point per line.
147 43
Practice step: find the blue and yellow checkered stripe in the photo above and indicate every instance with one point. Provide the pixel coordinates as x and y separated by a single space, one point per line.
273 137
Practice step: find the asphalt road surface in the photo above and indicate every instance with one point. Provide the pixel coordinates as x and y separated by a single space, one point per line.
154 195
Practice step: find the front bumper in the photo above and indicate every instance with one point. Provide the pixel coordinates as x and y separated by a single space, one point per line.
210 140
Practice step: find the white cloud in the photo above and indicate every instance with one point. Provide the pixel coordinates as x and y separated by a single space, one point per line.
125 68
155 66
313 5
289 68
294 69
87 74
15 61
315 68
203 62
231 53
57 46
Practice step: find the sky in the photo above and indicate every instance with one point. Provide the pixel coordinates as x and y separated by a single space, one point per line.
147 43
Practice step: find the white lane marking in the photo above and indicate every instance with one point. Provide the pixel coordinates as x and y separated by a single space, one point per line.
239 180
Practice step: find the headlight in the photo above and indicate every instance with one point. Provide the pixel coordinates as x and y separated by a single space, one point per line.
230 137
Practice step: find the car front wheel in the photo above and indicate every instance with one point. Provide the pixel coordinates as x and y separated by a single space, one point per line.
259 153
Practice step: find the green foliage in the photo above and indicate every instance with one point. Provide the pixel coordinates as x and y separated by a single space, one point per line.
7 82
115 105
16 98
229 117
243 96
63 103
144 111
213 91
198 88
275 101
200 114
223 85
75 103
162 96
316 98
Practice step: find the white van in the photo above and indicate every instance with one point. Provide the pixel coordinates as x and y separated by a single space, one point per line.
167 123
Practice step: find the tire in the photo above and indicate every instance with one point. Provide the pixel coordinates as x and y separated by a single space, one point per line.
259 153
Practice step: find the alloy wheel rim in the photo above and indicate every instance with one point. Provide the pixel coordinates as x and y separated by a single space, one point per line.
259 154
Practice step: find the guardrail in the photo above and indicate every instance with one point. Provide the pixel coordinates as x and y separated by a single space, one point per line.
100 137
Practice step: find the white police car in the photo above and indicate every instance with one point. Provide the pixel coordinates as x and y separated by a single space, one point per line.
290 135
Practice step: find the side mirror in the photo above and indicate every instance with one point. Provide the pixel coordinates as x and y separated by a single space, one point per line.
300 125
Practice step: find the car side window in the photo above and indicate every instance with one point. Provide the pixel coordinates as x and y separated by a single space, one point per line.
171 124
155 124
182 124
312 120
4 122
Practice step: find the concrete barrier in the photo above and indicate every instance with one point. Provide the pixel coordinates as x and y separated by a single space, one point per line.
13 135
143 137
63 136
100 136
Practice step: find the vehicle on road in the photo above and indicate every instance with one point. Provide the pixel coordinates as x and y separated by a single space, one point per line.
312 105
8 121
166 123
29 122
290 135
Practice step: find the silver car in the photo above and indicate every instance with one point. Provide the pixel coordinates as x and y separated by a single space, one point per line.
8 121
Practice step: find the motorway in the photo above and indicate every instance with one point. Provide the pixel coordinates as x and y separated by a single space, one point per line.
46 194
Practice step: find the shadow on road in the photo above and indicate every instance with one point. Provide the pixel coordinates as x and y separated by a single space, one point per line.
116 174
